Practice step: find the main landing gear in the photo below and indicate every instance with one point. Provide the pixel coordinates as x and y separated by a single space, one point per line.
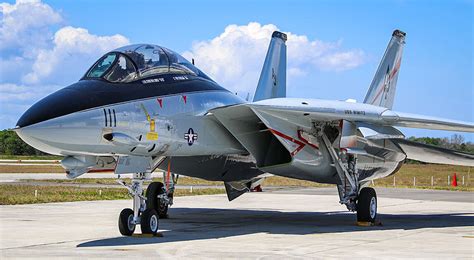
367 205
147 210
364 200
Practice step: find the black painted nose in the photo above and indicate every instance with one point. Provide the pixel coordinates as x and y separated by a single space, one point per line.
60 103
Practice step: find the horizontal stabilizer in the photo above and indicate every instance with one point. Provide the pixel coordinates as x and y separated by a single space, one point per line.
433 154
236 188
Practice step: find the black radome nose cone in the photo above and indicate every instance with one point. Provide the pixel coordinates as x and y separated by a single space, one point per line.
61 102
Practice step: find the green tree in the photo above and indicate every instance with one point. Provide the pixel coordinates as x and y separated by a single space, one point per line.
11 144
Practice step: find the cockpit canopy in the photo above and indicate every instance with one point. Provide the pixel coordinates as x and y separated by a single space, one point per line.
140 61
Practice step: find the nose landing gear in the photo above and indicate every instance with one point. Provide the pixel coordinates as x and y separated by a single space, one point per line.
146 217
158 198
126 223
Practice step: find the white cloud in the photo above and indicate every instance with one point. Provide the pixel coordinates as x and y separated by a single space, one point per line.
25 25
34 51
16 99
39 55
12 93
75 49
235 57
341 60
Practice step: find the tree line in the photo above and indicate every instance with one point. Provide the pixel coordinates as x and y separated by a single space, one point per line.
11 144
455 142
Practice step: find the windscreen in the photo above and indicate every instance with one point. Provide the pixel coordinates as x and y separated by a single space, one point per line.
140 61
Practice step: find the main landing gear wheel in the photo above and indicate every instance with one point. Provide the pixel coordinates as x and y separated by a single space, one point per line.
149 222
126 225
367 205
153 201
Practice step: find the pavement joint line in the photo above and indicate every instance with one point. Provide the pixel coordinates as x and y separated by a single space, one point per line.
401 204
45 244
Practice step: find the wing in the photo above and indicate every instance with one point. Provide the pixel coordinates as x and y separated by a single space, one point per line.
306 110
433 154
426 122
280 123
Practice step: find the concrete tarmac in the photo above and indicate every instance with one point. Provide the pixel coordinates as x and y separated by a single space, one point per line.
296 224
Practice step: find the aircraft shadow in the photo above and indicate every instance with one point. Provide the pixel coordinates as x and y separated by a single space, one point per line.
187 224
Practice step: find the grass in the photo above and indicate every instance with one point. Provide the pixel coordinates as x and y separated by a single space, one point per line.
423 174
111 181
31 169
25 194
30 157
270 181
403 178
458 188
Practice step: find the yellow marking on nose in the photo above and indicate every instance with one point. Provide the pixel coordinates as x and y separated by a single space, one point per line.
152 125
152 136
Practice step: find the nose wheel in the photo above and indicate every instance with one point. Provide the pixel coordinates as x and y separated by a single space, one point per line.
126 224
149 222
157 198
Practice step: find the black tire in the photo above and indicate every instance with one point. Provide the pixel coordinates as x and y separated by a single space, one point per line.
125 226
152 200
149 222
367 205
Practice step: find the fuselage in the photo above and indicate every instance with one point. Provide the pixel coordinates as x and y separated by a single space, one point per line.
159 107
166 118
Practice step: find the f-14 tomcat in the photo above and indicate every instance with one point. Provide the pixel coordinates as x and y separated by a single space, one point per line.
144 107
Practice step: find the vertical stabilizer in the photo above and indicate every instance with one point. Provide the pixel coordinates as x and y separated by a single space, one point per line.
272 82
382 90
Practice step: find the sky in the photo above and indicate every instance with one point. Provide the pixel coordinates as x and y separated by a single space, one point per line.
334 47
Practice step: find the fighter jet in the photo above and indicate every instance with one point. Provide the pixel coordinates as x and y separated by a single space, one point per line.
143 107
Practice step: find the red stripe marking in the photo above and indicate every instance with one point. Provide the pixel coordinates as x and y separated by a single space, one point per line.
306 141
298 142
391 75
395 70
378 93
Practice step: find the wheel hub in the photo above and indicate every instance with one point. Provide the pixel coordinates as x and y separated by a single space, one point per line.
373 207
153 223
130 223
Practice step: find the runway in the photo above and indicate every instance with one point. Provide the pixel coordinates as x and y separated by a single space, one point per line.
306 223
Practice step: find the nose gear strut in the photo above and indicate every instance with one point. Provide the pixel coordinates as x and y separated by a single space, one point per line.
140 215
149 208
